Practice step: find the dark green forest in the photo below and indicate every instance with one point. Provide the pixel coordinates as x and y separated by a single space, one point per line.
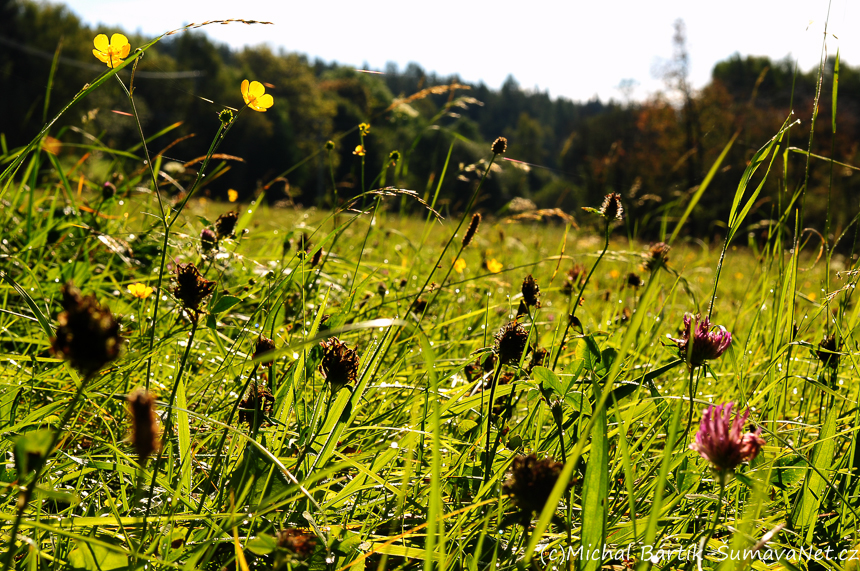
654 153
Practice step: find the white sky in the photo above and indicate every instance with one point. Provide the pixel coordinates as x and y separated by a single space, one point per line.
577 49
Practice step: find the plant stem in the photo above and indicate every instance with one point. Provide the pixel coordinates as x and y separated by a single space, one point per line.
579 296
487 453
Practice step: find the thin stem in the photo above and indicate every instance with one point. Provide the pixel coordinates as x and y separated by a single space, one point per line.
489 460
581 291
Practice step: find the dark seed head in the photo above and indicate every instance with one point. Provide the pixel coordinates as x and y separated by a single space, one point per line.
339 364
828 351
329 145
511 341
88 335
611 208
634 281
256 405
530 483
657 256
531 291
316 258
472 229
264 345
144 424
108 190
191 288
208 240
500 145
297 542
225 226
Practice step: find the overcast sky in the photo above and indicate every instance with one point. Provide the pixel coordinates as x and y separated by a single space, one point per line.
575 49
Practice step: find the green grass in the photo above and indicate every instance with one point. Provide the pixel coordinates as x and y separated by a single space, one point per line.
391 471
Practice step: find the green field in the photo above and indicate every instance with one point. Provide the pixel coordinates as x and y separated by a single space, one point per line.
407 447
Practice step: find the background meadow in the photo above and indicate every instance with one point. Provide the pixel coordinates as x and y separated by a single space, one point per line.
358 381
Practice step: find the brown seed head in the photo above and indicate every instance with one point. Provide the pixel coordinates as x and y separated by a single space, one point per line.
208 240
191 288
88 335
657 256
500 145
256 405
828 351
531 292
472 229
611 208
264 345
339 364
297 542
511 341
634 281
316 258
531 482
225 226
144 424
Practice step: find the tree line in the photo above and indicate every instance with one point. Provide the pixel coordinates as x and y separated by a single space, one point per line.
565 154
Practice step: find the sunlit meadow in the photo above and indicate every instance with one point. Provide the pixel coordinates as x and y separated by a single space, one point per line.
194 384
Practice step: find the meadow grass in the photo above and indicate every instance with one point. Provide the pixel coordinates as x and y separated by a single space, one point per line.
412 451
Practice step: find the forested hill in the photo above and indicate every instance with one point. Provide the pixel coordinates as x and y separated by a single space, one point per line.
654 153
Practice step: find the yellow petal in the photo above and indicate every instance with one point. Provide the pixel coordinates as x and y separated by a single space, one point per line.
117 41
123 52
101 56
460 265
244 90
101 43
264 101
232 195
256 90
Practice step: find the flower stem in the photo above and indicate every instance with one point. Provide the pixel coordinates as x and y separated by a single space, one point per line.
487 453
579 296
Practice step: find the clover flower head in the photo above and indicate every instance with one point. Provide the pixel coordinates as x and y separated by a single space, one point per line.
88 334
111 53
699 343
140 291
721 441
255 96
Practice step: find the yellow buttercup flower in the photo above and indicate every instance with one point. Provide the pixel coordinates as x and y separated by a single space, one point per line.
364 128
459 265
494 265
255 96
232 195
140 291
359 150
111 53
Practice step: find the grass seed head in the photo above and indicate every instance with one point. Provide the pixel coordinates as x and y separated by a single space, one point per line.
256 406
511 341
611 208
144 424
264 345
88 335
191 288
225 225
339 364
657 256
472 229
500 145
531 482
531 292
828 351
